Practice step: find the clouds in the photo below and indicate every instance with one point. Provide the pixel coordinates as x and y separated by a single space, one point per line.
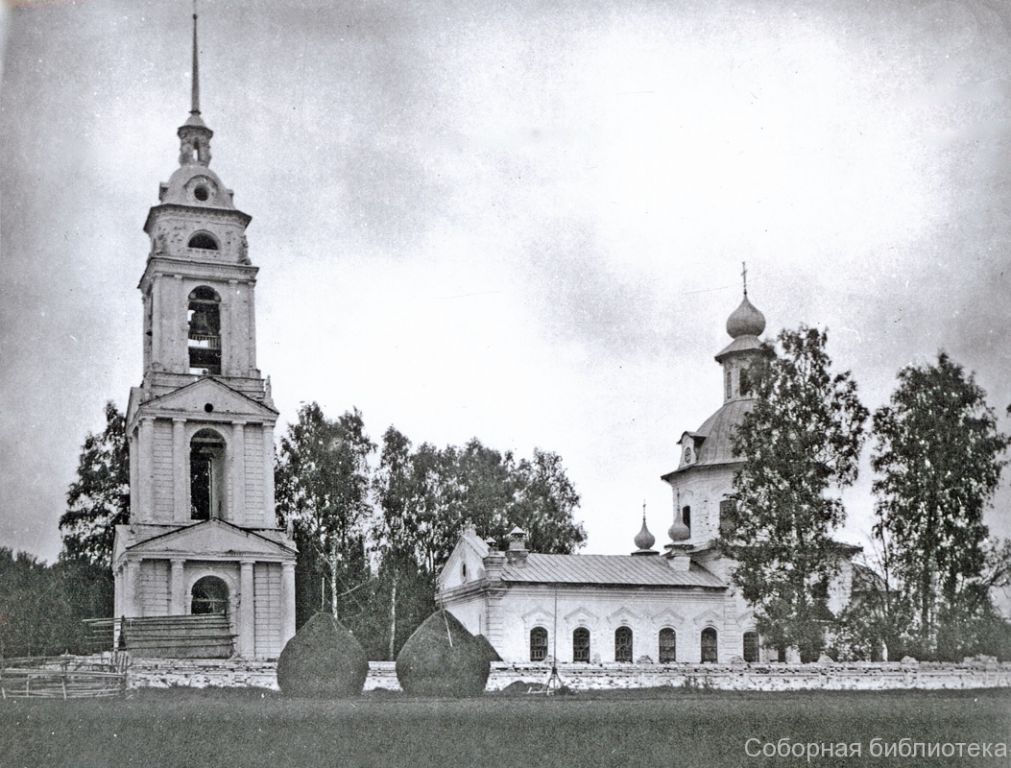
522 221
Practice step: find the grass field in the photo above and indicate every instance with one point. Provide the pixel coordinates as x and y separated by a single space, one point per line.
194 728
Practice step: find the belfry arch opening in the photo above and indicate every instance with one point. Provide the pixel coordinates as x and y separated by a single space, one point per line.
204 315
207 475
209 596
202 240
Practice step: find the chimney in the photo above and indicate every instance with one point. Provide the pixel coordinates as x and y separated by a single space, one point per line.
493 563
517 552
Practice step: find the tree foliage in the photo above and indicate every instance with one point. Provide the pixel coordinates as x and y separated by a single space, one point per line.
322 483
801 440
99 499
938 455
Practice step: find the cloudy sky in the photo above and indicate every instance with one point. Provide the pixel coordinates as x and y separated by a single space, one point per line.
522 220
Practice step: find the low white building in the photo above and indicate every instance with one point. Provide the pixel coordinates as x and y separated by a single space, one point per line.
677 606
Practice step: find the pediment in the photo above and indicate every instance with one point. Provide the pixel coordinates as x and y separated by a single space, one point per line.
193 399
213 538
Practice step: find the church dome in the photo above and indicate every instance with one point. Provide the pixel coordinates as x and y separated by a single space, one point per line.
644 539
679 531
745 320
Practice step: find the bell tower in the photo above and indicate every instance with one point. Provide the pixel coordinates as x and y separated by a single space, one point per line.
202 535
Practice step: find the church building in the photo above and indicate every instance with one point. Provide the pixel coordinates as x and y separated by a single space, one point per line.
203 536
678 606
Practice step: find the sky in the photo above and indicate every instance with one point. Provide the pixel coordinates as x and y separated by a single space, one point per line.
522 221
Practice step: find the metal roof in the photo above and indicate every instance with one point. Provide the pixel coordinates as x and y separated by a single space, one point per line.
625 570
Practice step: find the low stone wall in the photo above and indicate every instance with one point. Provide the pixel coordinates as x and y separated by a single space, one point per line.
864 676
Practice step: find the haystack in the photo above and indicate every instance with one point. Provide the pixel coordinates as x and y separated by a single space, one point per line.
442 658
323 660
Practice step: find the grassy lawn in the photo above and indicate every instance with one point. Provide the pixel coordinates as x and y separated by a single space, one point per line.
211 728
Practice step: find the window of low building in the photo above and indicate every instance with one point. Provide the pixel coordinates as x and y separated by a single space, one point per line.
709 652
751 647
581 644
668 646
538 644
623 644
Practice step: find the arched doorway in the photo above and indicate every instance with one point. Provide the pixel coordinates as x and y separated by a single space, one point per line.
209 596
207 474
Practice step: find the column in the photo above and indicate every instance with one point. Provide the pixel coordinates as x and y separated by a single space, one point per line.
145 470
269 514
157 326
251 347
287 602
178 360
237 513
131 589
134 476
180 471
177 606
230 334
245 644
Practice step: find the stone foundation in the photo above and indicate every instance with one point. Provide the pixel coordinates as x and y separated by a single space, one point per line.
863 676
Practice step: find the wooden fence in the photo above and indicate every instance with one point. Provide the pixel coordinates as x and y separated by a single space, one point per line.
202 636
63 677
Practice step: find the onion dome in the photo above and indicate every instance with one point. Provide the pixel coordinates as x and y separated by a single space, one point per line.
745 320
644 539
679 531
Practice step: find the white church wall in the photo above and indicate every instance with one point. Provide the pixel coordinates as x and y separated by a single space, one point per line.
702 488
162 472
602 611
254 469
267 609
153 588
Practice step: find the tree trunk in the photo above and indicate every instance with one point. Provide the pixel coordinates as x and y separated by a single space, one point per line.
333 579
393 617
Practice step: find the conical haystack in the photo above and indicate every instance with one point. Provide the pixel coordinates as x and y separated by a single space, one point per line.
324 660
489 649
442 658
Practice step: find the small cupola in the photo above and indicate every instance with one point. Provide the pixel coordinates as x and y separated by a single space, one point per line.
644 540
517 552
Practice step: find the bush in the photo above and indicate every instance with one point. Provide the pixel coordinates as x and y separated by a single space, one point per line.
442 658
323 660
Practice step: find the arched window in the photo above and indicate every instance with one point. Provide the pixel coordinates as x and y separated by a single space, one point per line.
581 644
207 474
751 647
209 595
668 646
538 644
204 312
728 384
709 645
744 382
623 644
686 516
728 510
203 241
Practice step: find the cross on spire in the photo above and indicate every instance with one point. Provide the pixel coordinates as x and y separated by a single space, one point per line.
744 265
644 511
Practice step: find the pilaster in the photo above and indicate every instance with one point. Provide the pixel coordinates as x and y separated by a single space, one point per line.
287 602
131 583
269 512
177 588
180 471
237 513
146 467
245 643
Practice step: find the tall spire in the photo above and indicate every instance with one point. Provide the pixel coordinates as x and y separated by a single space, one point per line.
195 137
195 92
